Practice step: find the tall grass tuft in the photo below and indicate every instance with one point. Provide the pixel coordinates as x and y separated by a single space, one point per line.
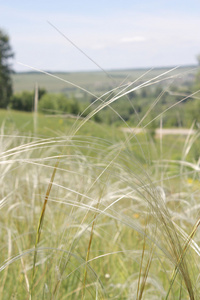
83 217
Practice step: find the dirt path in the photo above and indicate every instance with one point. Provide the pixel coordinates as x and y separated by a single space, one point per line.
162 131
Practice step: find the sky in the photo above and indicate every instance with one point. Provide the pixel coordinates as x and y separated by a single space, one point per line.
71 35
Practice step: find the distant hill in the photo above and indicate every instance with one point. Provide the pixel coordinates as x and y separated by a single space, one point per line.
96 82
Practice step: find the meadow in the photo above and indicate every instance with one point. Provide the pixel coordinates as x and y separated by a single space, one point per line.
91 212
94 81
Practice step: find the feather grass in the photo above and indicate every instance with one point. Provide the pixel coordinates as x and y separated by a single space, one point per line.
40 223
118 221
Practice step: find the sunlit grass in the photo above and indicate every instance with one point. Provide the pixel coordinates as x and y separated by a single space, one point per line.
89 212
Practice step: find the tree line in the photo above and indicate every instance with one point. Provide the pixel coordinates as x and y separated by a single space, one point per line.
6 54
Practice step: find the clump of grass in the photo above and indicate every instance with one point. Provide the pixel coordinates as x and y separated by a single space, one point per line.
89 218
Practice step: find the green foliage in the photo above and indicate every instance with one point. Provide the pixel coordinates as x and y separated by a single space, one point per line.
192 105
197 82
48 103
136 106
5 70
41 92
23 101
131 108
58 103
193 110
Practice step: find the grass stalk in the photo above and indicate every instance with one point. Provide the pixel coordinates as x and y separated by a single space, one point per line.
140 287
41 219
180 260
88 249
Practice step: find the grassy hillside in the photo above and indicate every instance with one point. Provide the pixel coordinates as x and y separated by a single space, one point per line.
95 82
136 92
52 125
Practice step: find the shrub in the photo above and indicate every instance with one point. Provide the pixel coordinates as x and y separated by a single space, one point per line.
49 103
58 103
23 101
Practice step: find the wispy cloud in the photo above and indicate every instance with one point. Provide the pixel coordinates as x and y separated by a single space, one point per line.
133 39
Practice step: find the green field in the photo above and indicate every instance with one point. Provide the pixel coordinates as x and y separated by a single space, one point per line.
51 125
91 212
95 82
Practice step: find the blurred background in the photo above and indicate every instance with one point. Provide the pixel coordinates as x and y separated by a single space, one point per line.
116 34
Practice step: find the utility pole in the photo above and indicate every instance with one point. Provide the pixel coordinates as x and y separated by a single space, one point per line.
35 108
